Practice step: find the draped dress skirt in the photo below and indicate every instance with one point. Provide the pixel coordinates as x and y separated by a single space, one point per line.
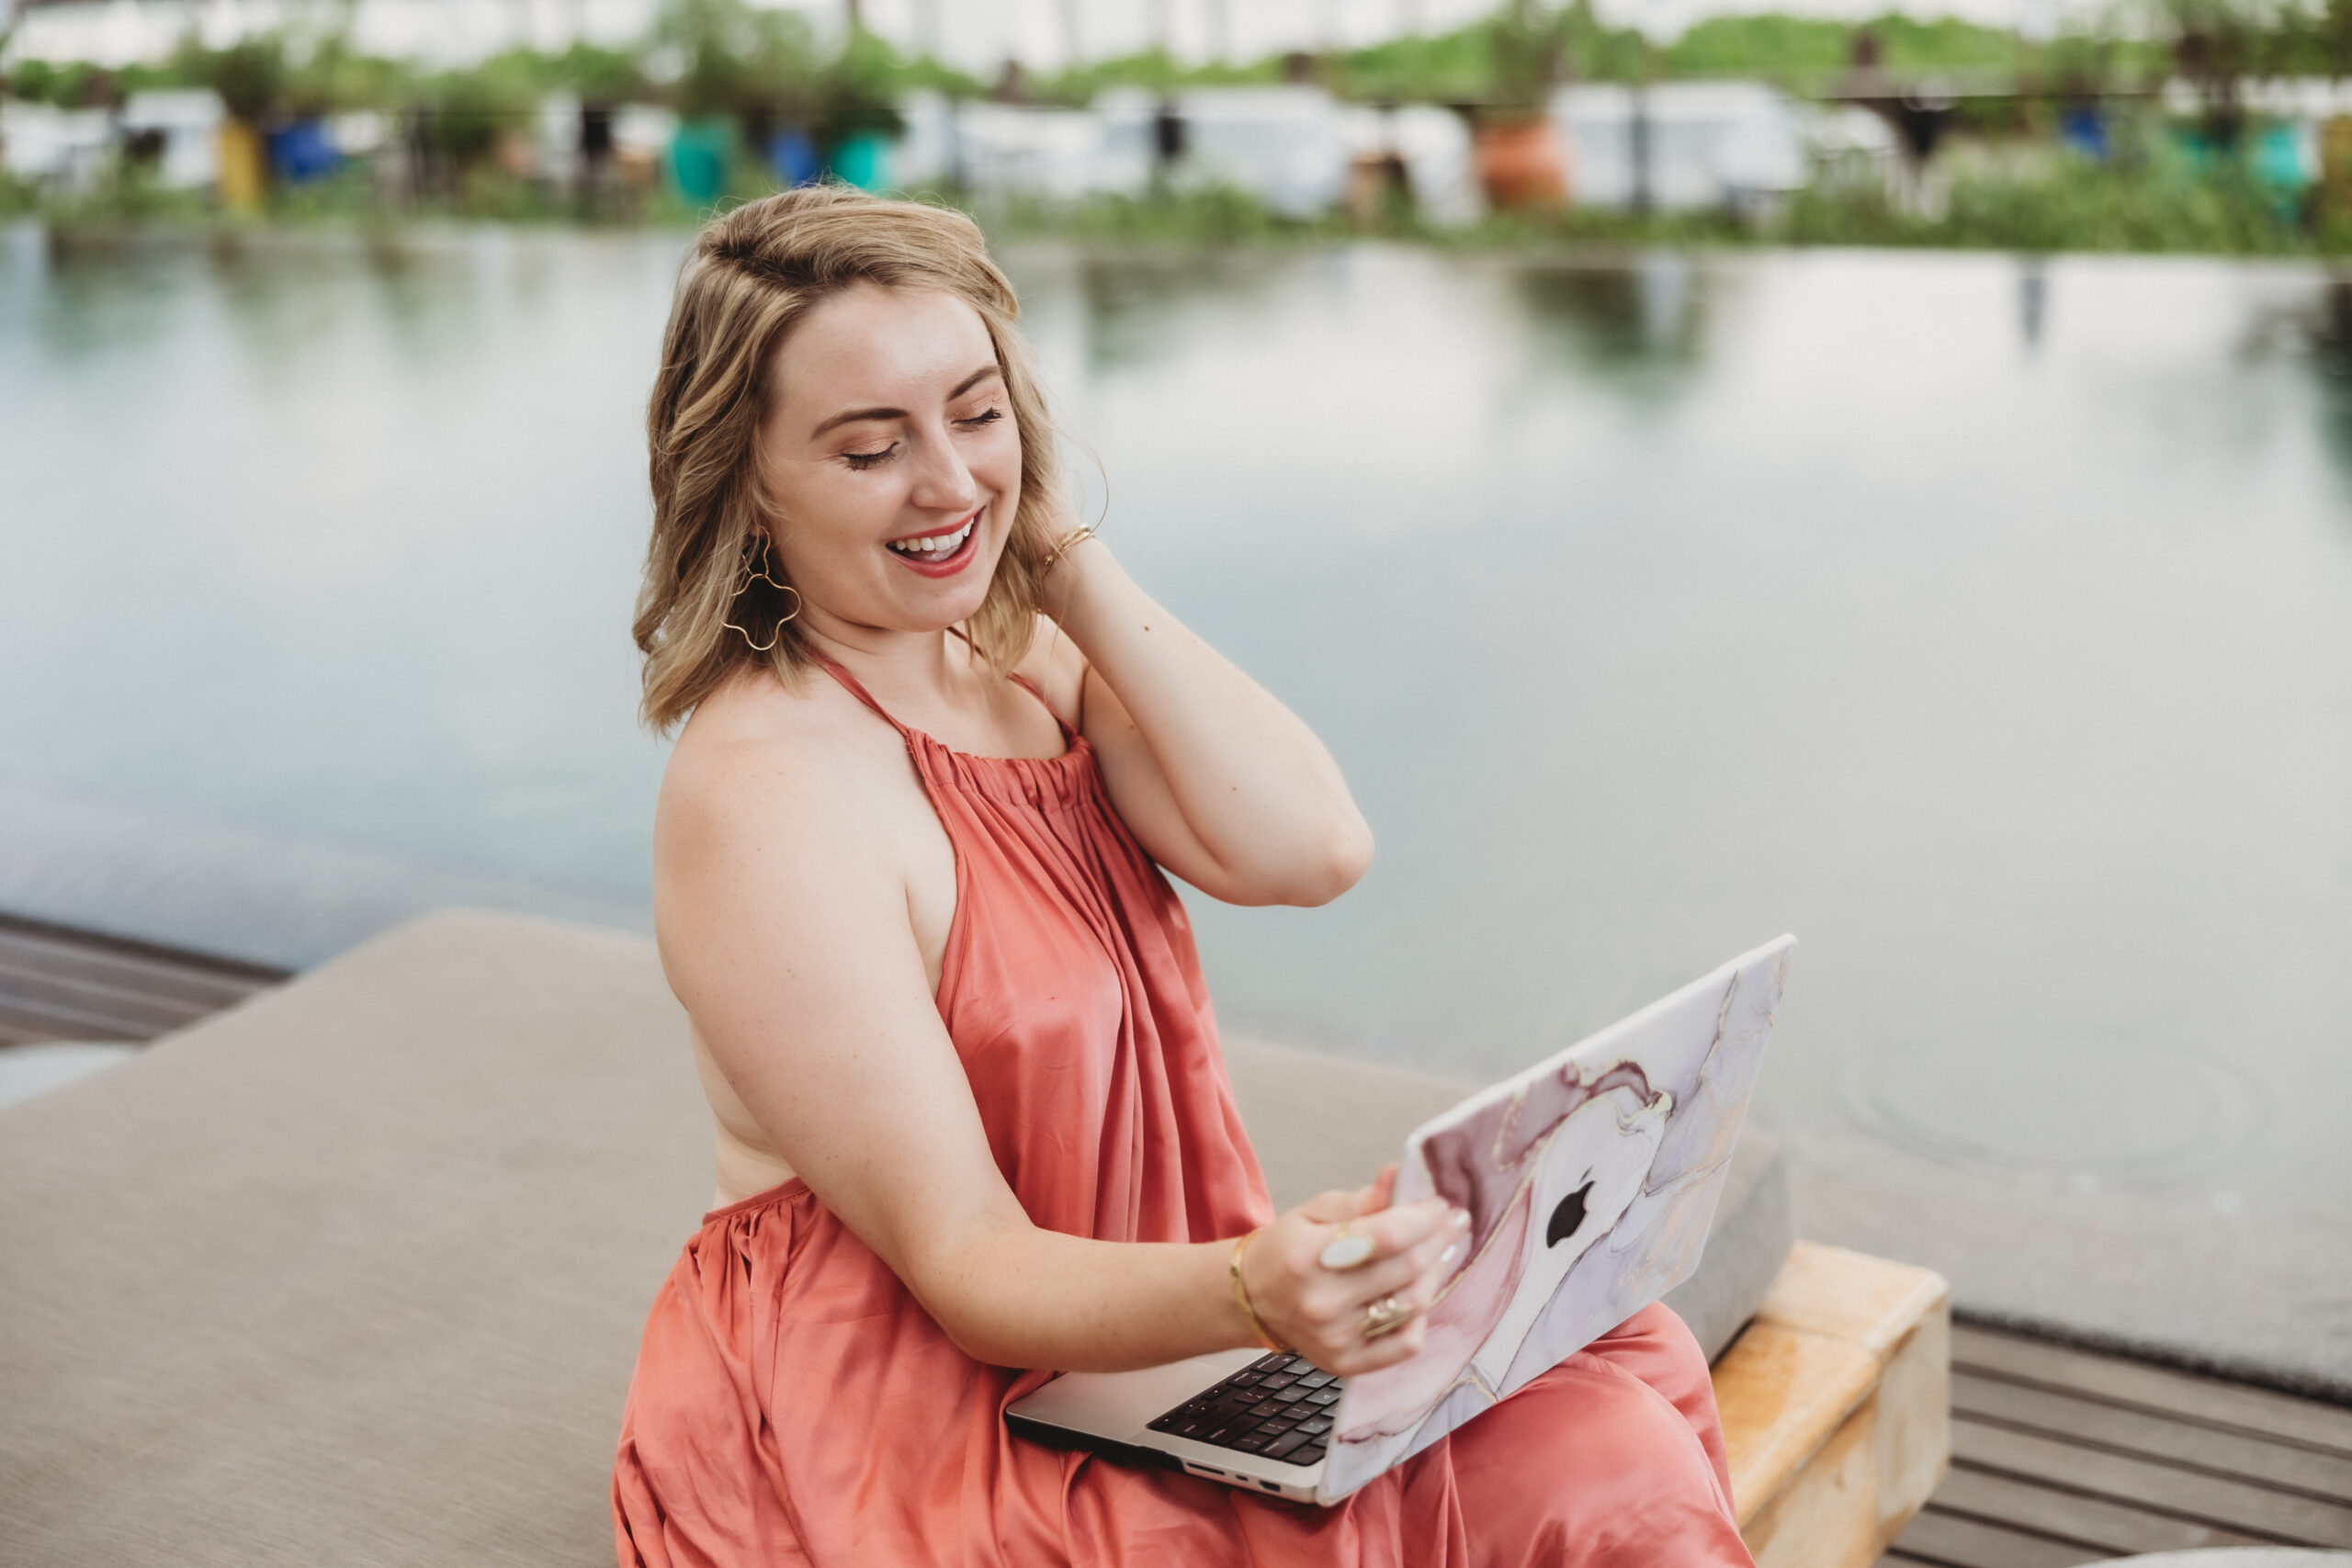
793 1403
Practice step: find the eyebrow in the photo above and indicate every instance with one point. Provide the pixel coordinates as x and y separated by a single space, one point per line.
852 416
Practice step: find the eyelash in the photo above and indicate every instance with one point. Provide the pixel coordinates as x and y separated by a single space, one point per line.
861 461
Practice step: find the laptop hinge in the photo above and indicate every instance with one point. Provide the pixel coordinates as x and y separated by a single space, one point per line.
1054 1436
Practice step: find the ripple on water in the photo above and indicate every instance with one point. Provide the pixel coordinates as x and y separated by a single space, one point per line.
2090 1110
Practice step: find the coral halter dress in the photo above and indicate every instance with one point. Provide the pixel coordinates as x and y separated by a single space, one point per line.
793 1403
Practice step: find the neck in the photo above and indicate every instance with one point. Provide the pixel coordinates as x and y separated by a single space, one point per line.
903 664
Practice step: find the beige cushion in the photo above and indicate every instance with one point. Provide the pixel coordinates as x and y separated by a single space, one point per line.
354 1273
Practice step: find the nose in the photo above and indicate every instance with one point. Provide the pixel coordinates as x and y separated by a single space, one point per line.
942 482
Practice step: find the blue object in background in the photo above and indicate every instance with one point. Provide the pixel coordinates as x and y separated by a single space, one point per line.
301 151
2278 158
862 160
793 157
2084 129
698 157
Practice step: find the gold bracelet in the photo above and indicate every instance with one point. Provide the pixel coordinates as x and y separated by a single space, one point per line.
1071 541
1242 1295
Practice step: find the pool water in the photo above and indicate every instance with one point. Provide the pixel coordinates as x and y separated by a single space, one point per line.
1987 623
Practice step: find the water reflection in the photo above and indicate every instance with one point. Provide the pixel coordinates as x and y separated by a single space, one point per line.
2033 300
1650 311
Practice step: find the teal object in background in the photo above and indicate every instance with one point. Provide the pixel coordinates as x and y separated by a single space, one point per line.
862 160
2280 158
698 158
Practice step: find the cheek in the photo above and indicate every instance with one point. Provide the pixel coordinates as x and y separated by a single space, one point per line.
997 463
822 516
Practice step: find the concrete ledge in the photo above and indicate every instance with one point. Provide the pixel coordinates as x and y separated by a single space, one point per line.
2254 1297
1836 1407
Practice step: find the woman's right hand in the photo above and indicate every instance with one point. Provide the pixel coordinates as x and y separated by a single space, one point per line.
1324 1313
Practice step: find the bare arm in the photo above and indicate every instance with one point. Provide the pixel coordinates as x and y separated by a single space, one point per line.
1222 783
788 939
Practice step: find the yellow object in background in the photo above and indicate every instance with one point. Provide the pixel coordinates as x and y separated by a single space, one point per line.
243 178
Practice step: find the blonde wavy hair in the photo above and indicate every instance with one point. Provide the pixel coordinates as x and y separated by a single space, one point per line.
753 273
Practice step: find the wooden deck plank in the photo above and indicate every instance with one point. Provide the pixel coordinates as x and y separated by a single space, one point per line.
33 1021
2278 1417
49 951
2117 1529
57 984
15 1031
155 1015
2282 1516
1953 1541
2281 1466
17 928
21 962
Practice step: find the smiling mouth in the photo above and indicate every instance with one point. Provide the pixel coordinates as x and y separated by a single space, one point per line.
937 549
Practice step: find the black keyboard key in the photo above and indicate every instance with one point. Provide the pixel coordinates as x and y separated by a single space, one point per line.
1277 1399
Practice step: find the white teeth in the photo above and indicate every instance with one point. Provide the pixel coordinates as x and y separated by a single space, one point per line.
936 545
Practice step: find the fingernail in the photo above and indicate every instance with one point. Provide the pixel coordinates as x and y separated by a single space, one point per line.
1461 1218
1445 1259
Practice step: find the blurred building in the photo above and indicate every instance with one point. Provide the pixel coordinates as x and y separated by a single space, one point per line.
1679 146
1293 148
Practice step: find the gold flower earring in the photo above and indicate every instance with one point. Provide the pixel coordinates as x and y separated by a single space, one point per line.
763 573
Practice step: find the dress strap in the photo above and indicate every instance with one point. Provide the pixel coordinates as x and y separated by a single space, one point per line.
1070 736
850 684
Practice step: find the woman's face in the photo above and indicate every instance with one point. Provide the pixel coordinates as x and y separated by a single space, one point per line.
891 460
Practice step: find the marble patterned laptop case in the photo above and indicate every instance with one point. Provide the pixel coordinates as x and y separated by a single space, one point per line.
1590 1181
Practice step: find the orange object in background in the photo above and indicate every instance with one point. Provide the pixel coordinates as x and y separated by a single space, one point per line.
245 177
1521 165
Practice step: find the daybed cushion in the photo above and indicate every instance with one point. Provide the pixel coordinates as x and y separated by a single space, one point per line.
354 1274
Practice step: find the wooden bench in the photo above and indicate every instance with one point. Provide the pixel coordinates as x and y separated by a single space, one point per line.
1836 1407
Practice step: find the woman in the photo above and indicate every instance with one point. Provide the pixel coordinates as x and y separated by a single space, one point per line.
971 1114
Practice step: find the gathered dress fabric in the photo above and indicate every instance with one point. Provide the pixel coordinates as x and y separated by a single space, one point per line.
793 1403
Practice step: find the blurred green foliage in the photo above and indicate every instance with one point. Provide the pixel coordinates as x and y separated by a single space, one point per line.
741 73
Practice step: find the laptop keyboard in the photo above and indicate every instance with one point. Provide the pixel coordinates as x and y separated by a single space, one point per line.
1279 1407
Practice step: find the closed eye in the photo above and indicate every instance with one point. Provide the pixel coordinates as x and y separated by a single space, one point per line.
862 460
982 420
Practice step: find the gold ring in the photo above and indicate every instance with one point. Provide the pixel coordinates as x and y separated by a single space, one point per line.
1347 1249
1385 1316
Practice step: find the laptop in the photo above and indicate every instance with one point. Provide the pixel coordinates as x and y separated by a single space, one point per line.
1591 1180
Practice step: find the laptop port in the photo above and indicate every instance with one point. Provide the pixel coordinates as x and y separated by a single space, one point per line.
1270 1485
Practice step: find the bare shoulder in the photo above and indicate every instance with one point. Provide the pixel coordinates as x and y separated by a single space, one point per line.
787 771
1055 667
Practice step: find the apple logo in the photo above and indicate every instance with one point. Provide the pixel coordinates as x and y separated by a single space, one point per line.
1567 1216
